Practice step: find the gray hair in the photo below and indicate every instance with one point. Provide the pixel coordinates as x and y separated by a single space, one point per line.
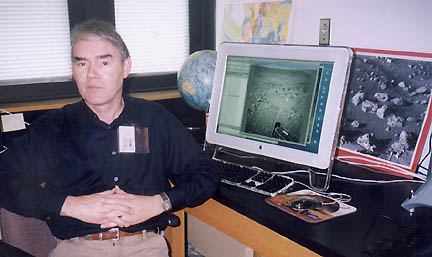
100 29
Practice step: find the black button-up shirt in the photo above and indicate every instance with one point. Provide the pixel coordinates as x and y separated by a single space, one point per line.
71 152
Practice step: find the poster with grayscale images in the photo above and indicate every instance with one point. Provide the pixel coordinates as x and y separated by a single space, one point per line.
386 114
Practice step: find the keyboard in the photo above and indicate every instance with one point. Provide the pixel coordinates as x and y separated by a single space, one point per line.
253 179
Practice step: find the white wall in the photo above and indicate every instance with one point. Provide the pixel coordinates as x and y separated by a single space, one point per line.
401 25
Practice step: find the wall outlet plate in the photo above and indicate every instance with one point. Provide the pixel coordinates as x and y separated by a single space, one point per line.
324 32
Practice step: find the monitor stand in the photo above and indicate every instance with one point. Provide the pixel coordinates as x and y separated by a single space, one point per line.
316 175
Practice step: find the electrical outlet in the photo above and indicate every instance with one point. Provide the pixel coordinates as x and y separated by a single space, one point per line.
324 32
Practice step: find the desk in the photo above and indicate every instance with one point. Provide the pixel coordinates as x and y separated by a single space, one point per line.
247 231
245 216
238 226
379 219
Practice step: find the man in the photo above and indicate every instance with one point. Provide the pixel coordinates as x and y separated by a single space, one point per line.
100 169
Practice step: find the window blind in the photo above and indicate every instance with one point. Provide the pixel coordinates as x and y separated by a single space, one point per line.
35 44
156 33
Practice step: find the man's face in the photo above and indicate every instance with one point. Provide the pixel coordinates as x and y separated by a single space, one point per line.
98 71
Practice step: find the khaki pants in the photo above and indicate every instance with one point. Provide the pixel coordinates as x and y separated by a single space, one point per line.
148 244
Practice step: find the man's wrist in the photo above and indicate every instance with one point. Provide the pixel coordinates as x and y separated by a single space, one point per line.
65 210
166 203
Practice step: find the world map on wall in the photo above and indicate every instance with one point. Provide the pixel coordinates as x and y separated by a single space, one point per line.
256 21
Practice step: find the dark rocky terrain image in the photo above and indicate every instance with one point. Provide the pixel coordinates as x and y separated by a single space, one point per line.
386 105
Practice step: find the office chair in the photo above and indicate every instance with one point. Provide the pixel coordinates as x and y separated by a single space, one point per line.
28 234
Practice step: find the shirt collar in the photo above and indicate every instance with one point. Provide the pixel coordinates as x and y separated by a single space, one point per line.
92 116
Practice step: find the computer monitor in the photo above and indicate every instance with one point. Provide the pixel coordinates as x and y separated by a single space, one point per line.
279 101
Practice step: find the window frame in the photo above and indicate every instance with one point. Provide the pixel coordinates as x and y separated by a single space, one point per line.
201 33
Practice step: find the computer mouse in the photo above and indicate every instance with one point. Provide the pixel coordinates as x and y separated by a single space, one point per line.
306 202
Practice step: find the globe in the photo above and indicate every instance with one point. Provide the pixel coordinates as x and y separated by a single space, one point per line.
195 78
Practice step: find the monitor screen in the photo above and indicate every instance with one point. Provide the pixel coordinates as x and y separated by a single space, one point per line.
279 101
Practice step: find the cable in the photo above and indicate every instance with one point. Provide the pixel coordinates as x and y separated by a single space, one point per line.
376 164
341 197
3 110
4 148
357 179
419 165
380 181
422 172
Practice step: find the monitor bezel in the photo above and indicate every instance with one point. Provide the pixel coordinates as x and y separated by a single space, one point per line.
341 58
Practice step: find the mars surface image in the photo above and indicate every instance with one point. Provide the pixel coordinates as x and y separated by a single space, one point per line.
280 103
386 105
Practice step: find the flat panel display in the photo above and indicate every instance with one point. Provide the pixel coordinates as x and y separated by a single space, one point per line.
279 101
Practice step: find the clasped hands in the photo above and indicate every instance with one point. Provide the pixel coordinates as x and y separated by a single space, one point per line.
112 208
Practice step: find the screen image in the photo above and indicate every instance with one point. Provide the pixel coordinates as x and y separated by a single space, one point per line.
277 101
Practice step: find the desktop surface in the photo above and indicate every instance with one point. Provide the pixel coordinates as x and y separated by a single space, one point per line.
379 227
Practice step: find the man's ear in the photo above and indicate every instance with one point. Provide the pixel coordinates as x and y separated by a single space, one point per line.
127 66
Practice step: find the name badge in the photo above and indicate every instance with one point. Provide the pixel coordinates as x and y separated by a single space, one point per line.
126 136
133 140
